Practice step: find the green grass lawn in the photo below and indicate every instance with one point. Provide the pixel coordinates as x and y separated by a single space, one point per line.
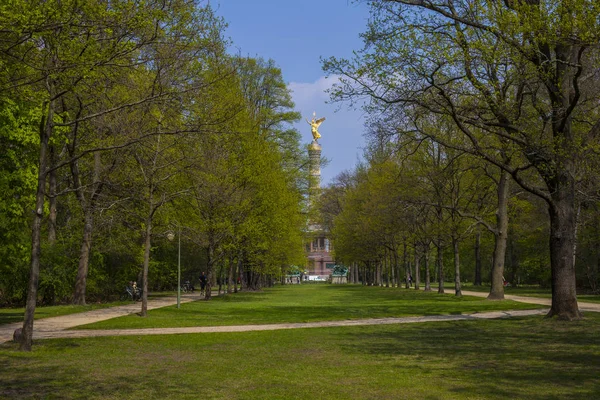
588 298
521 358
299 306
525 358
308 303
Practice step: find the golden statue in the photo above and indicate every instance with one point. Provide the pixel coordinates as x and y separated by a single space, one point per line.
314 125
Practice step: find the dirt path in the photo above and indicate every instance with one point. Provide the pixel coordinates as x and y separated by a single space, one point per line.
57 327
583 306
47 327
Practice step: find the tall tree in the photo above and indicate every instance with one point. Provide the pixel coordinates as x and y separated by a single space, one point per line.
55 48
516 73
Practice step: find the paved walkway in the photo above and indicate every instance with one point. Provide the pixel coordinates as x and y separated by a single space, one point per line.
57 327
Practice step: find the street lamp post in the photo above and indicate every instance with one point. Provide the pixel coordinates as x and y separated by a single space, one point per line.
171 237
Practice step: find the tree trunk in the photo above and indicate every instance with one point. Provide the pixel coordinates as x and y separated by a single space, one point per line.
391 269
373 273
209 272
46 125
562 241
512 261
440 266
230 275
405 262
387 266
87 208
397 268
577 216
457 290
417 267
501 235
427 274
147 247
240 273
477 280
220 279
84 258
256 277
52 199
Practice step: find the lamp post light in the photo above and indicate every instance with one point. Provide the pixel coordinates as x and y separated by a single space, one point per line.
171 236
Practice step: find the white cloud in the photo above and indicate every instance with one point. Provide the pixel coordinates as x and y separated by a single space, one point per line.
304 92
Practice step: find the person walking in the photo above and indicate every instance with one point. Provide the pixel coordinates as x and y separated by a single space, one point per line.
202 283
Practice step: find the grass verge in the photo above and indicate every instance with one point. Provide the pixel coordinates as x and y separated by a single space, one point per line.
524 358
308 303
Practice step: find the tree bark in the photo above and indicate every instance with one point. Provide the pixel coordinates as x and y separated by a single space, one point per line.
501 235
147 246
209 272
241 275
87 208
388 267
457 289
562 241
391 269
84 259
417 267
440 266
427 274
46 126
220 279
477 280
405 263
230 275
397 268
52 200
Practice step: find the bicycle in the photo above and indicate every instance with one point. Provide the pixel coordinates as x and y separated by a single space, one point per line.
131 294
187 287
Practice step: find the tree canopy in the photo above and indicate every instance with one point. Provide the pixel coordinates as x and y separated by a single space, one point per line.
123 121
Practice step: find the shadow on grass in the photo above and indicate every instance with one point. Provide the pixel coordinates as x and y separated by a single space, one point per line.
10 317
497 358
524 358
35 382
69 368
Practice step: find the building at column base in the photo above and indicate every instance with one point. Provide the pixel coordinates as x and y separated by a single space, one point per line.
319 254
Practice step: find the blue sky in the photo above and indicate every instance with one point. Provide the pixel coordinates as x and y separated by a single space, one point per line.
296 35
